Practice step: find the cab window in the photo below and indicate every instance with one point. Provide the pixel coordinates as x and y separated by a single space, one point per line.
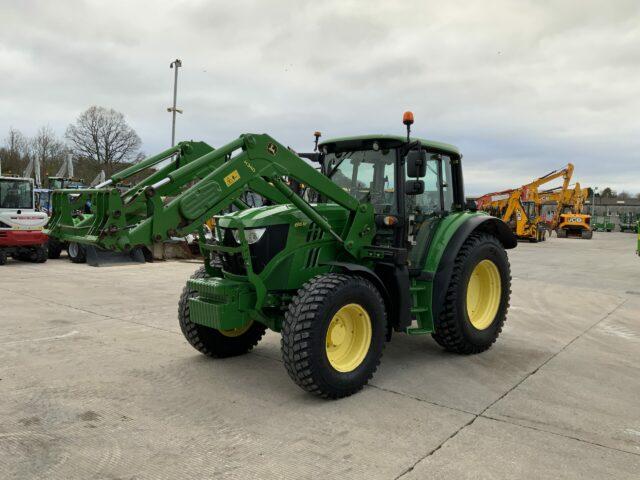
429 201
16 194
367 175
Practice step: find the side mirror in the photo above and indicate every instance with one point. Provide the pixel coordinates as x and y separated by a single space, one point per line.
471 205
416 163
414 187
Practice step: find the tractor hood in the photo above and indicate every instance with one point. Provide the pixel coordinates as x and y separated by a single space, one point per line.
278 215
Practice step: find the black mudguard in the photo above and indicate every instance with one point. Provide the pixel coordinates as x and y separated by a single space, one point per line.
481 223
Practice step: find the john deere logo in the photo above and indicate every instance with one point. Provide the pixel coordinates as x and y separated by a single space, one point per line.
272 149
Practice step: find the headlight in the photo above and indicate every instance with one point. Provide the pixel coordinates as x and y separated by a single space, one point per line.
252 235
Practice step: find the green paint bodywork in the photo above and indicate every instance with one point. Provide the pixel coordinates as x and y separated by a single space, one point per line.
202 182
602 223
430 144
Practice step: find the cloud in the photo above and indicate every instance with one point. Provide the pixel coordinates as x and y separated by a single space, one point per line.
522 87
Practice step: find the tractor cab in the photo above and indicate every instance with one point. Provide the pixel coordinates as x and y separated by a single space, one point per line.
57 183
411 183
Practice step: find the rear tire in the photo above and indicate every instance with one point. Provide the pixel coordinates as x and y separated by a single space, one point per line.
212 342
482 263
562 233
587 234
77 253
333 335
3 257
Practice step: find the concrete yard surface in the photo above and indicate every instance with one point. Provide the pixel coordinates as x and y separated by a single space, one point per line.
97 382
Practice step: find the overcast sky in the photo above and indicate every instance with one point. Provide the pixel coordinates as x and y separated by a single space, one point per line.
521 87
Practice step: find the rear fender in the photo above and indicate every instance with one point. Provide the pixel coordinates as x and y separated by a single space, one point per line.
444 271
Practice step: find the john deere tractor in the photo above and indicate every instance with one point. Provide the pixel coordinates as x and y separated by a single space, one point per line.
377 241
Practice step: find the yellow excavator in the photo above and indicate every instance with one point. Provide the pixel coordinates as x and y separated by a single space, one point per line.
568 219
521 209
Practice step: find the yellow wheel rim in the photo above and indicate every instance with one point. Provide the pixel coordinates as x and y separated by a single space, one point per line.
483 294
236 332
348 337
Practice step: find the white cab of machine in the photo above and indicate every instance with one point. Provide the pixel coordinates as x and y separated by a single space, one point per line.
17 205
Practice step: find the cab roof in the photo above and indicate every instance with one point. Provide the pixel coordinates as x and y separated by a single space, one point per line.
363 142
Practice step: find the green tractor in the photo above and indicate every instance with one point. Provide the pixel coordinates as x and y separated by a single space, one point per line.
628 222
602 223
379 241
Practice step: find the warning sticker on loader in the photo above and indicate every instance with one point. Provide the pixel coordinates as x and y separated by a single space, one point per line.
232 178
272 149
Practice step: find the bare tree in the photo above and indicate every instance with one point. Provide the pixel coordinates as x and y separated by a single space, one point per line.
48 149
608 193
16 142
624 195
15 152
103 137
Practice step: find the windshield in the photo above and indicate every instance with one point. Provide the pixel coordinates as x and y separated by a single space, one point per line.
367 175
16 193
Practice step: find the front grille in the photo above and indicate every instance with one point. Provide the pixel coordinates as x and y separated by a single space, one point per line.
232 262
272 242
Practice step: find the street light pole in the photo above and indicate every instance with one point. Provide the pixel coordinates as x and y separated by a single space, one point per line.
177 63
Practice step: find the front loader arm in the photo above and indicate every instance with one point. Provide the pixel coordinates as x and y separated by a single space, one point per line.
257 163
216 180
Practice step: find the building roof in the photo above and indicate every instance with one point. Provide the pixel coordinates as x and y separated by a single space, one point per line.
615 201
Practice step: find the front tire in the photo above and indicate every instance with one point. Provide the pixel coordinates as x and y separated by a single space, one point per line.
77 252
209 341
477 297
333 335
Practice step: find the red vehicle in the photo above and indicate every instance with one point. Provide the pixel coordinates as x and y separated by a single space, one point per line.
21 225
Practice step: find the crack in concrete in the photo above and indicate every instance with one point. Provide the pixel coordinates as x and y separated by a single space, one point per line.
456 432
533 372
557 434
430 402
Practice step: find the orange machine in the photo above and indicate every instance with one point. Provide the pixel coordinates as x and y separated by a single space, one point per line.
520 208
568 220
